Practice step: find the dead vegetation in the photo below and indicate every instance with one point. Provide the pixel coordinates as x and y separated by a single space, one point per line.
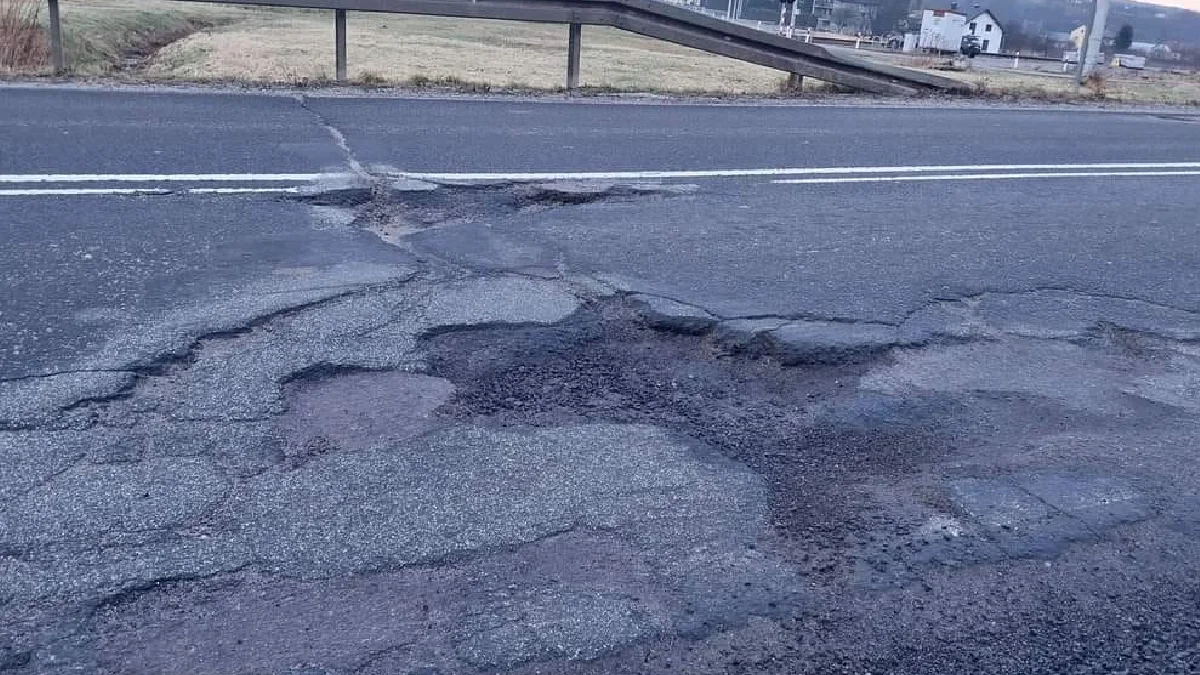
1095 84
23 44
1109 86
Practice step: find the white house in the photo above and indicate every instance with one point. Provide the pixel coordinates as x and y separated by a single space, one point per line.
1078 35
942 30
988 30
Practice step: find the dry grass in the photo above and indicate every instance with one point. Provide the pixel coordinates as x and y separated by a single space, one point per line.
1120 86
924 62
298 46
103 36
1051 84
23 44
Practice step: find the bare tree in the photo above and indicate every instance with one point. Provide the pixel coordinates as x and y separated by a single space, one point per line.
1124 38
890 16
847 16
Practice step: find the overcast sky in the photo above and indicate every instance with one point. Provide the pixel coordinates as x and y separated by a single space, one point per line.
1189 4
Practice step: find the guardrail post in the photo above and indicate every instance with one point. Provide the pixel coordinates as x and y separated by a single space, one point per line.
574 37
339 38
56 43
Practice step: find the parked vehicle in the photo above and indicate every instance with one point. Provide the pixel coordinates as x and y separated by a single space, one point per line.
970 46
1131 61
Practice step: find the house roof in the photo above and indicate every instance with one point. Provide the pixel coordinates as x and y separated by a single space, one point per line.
994 19
944 11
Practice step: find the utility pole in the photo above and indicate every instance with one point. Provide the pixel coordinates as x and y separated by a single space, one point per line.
1089 51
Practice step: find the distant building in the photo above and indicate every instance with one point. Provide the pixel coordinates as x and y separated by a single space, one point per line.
1078 36
1154 50
942 30
989 31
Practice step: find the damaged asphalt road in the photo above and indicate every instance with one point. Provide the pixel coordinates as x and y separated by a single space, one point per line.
393 427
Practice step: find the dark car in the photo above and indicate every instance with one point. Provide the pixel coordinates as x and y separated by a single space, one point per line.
970 46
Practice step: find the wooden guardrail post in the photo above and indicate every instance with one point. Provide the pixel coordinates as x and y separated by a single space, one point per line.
574 36
56 43
339 38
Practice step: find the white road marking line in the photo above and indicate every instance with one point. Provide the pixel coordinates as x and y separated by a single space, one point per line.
34 192
240 191
806 176
979 176
165 177
798 171
67 192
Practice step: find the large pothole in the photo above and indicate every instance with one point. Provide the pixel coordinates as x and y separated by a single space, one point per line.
805 429
911 511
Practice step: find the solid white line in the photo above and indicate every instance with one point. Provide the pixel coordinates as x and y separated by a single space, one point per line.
34 192
979 176
164 177
798 171
582 175
240 191
826 175
70 192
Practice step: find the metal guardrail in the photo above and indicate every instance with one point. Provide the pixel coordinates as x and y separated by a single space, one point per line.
645 17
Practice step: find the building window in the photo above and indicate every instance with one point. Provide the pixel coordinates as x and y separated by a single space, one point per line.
987 28
985 45
972 28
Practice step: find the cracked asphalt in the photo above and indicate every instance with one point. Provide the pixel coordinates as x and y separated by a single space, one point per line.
702 425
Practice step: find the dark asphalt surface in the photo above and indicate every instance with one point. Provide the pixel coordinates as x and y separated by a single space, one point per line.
81 132
95 132
72 281
738 427
485 135
863 253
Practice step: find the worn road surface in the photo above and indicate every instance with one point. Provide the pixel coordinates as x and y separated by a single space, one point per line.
331 385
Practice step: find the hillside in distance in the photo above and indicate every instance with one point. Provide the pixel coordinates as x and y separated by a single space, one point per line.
1151 23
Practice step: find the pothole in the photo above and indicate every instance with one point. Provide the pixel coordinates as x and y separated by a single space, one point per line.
393 209
805 429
